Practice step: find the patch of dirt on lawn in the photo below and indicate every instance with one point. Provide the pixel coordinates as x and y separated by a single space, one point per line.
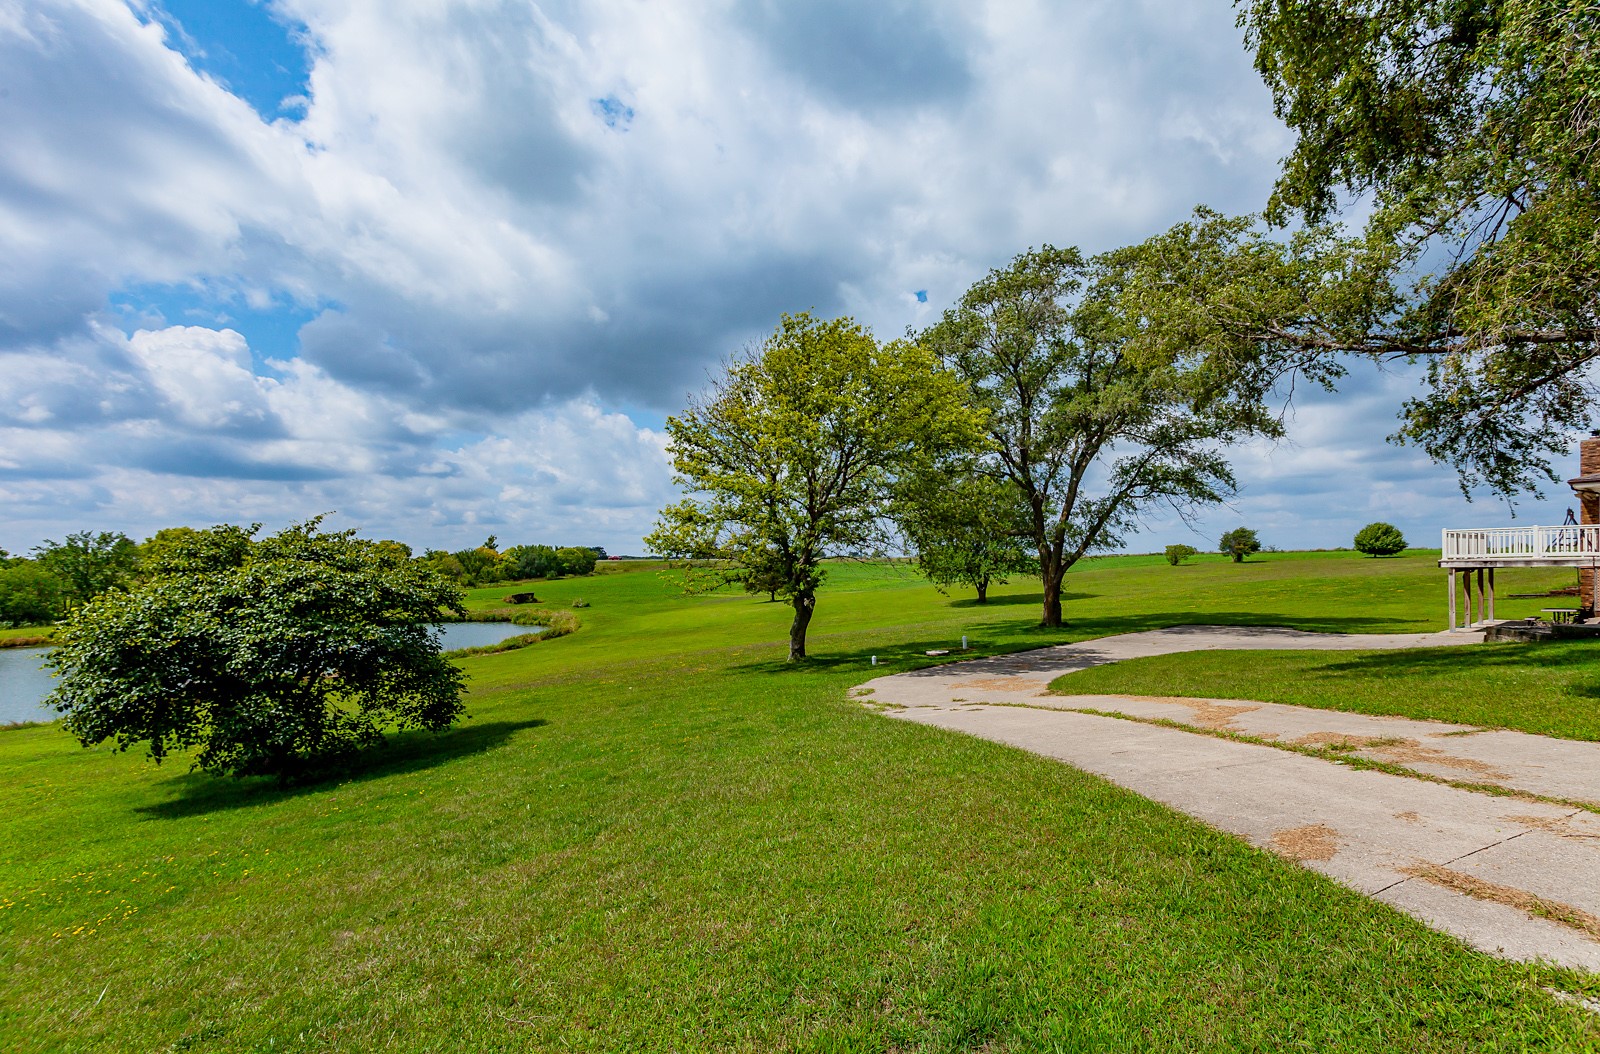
1315 841
1003 684
1209 713
1409 751
1560 826
1521 899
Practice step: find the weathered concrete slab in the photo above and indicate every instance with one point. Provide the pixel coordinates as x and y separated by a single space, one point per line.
1554 768
1533 868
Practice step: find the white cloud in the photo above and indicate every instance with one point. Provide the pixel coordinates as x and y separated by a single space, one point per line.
491 265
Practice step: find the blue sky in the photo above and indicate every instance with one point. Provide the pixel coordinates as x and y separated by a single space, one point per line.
443 270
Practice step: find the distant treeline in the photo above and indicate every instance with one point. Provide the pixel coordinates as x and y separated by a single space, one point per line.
58 576
488 564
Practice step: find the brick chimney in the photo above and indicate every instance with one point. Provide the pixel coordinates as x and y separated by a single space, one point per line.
1585 487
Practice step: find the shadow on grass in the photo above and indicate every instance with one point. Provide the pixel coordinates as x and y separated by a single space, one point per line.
200 792
898 656
1016 599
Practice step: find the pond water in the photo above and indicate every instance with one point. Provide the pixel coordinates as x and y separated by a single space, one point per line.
480 634
24 682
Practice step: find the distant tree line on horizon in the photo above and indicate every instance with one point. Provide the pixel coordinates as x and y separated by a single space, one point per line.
59 576
486 564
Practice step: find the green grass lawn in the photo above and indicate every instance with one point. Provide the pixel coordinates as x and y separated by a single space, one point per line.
24 636
1550 689
653 834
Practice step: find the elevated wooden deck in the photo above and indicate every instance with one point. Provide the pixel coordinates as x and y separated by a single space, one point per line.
1489 547
1486 549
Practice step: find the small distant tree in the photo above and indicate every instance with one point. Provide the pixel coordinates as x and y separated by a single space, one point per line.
88 564
965 529
1380 539
1177 554
791 456
1239 543
266 660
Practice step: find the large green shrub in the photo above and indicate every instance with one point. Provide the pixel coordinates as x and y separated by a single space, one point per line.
1177 554
268 658
1380 539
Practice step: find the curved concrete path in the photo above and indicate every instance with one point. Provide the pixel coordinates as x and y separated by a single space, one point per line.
1511 876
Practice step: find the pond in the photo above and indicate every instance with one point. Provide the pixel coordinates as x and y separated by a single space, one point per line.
24 682
480 634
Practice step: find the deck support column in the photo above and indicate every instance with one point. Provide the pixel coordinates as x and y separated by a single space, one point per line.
1491 595
1453 592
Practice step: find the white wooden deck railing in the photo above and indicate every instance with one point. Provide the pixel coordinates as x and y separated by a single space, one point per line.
1523 543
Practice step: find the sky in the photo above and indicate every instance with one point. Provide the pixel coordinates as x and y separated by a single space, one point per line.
441 270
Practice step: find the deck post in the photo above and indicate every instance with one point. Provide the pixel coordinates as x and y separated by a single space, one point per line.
1453 592
1479 621
1491 595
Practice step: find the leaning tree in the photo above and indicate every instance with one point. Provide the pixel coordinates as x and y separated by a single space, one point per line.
790 458
1092 415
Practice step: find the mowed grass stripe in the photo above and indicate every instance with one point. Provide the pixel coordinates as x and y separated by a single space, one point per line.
682 844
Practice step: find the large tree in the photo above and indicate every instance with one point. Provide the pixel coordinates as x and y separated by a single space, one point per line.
791 454
1472 128
266 657
1091 421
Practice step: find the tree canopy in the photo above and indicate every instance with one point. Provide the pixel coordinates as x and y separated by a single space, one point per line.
1472 127
1091 417
1238 544
965 527
88 563
790 457
1380 539
264 656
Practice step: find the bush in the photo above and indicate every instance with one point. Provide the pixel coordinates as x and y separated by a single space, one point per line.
268 659
1239 543
1380 539
1177 554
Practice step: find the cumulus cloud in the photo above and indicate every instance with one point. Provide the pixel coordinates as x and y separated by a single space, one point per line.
500 221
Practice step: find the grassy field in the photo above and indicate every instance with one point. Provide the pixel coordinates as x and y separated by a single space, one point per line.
1555 691
653 834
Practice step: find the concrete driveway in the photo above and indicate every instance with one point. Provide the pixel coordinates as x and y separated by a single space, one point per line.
1514 873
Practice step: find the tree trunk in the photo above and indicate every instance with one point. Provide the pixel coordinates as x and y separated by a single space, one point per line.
983 591
804 604
1050 573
